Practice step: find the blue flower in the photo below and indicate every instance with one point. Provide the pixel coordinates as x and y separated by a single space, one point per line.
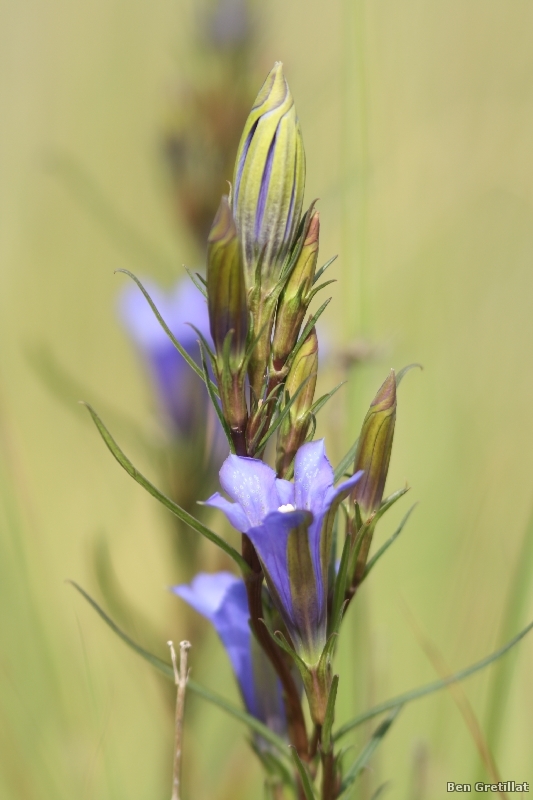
221 598
290 526
181 395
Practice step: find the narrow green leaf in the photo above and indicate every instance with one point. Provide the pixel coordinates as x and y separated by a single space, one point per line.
430 688
318 288
366 754
384 547
198 281
515 610
203 341
319 404
167 670
304 775
380 790
323 269
190 361
403 372
179 512
347 462
388 503
330 715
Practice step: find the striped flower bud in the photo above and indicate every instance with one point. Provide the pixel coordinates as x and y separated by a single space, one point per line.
269 179
226 293
296 296
302 380
374 447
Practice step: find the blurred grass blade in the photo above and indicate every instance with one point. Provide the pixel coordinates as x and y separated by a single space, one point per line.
305 778
190 361
366 754
92 198
429 688
177 510
346 462
155 661
384 547
167 670
380 790
68 390
516 604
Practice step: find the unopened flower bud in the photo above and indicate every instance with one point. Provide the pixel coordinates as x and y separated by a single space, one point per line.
228 319
226 291
374 447
296 295
302 380
269 180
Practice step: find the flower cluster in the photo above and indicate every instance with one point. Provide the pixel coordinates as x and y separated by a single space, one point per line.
258 354
261 274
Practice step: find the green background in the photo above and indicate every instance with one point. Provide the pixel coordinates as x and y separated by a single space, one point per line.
418 125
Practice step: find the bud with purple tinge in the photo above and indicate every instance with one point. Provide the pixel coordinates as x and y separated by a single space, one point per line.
374 447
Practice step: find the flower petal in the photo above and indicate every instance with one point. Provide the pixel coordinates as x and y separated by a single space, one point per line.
270 541
233 511
221 598
313 476
285 492
252 484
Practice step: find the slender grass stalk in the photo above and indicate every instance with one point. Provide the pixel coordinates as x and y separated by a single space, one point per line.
181 676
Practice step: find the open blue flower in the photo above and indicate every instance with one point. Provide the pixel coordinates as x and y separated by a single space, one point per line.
181 394
221 598
290 526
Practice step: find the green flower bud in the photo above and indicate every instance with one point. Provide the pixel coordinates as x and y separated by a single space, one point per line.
374 447
296 296
269 181
228 320
294 428
226 292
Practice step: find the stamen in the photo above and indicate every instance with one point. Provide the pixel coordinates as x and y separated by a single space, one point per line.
288 507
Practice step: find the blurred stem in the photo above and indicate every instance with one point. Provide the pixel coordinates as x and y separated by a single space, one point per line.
354 166
181 676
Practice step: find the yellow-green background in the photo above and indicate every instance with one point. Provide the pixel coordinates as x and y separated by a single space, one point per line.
418 126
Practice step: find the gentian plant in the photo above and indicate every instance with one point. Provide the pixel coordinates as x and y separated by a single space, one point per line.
306 528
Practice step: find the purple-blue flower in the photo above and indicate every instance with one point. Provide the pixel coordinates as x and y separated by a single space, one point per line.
290 525
221 598
181 395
